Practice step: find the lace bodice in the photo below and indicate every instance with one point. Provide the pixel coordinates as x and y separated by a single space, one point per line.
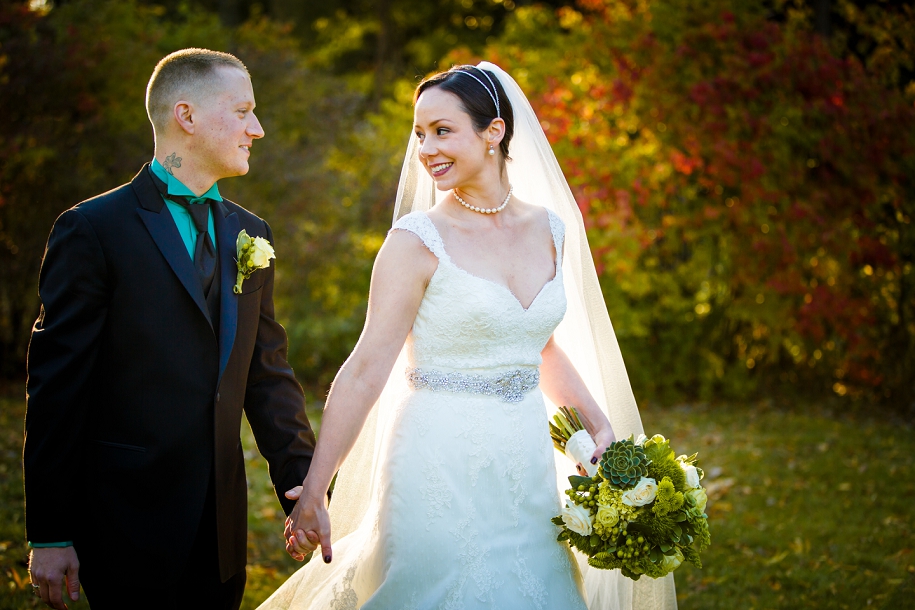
470 323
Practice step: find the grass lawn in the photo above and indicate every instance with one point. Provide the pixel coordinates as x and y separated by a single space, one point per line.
807 510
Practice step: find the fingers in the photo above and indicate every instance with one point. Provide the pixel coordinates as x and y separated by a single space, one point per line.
303 543
55 599
291 549
43 592
312 537
294 493
73 581
324 541
48 589
299 544
580 469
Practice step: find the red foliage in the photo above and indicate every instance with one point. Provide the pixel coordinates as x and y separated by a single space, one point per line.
735 152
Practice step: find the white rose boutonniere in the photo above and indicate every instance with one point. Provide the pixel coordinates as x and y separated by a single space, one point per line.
253 253
643 493
577 518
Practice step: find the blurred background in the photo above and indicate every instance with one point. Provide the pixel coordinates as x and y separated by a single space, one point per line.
745 168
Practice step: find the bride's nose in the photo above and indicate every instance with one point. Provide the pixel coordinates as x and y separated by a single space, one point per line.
426 149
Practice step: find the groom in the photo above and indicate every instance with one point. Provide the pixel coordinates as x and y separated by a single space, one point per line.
142 360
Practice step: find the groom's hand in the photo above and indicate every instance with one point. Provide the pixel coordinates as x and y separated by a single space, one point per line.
49 568
307 527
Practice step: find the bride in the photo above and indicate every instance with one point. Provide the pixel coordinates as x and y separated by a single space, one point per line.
484 312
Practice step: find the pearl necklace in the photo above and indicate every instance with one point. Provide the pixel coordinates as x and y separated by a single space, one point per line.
484 210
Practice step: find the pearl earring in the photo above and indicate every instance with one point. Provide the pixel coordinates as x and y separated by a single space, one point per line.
491 151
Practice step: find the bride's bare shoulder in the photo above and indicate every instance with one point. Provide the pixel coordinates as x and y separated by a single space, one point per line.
408 246
530 215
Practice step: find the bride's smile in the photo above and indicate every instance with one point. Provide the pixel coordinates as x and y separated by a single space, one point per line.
439 169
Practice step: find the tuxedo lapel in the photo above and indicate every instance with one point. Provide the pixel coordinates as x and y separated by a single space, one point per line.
227 229
164 231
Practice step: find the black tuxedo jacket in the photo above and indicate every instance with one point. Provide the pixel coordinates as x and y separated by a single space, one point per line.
135 399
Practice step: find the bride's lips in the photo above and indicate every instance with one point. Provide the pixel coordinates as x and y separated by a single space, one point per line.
439 169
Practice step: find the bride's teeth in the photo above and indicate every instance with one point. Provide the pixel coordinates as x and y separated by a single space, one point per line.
438 168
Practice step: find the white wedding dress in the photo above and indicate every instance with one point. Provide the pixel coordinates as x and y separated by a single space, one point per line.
445 501
468 487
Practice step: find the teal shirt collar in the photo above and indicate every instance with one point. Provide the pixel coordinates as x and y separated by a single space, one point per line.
176 187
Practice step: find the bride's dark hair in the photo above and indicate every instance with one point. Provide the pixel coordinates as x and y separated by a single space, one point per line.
478 90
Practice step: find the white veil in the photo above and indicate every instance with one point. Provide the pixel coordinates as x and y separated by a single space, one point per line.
585 334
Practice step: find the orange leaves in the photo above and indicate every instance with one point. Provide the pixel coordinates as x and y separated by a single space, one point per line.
684 164
722 148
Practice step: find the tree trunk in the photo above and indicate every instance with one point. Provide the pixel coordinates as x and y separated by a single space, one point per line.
823 20
231 12
382 45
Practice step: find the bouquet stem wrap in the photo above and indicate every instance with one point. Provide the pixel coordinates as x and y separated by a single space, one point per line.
580 447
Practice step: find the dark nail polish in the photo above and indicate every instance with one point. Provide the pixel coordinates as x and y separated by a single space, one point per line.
327 559
594 460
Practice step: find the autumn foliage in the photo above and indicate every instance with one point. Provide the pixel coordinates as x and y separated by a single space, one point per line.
747 184
748 194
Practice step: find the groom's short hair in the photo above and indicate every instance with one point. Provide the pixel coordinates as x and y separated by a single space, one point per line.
188 74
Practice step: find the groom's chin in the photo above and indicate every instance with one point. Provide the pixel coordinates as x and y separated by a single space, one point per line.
238 170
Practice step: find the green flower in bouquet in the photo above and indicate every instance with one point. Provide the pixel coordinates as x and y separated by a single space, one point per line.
624 463
668 500
663 463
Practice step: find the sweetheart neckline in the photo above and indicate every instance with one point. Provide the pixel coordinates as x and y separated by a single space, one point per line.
503 286
447 258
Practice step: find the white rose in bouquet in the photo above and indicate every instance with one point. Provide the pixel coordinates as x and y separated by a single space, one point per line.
700 497
577 518
643 493
672 562
692 475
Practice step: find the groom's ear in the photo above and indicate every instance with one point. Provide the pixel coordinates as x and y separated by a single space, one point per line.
184 116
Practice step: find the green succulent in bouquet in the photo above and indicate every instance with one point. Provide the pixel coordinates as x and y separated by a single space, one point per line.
624 463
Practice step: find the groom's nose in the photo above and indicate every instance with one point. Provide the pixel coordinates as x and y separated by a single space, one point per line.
254 129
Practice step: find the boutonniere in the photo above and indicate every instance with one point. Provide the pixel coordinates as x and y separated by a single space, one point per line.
253 253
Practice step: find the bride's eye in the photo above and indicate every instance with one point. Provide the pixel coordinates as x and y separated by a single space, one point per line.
420 136
441 131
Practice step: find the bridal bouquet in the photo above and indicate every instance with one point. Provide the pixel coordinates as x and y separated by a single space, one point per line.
643 511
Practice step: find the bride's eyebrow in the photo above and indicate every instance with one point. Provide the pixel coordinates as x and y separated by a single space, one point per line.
432 125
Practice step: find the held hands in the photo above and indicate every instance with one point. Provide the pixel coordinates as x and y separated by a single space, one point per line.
49 568
602 438
307 526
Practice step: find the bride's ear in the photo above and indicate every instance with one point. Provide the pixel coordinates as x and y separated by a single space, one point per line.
495 132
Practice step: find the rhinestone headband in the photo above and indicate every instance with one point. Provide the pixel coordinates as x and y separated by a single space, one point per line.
494 94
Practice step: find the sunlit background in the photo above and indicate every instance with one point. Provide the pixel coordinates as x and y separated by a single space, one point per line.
745 168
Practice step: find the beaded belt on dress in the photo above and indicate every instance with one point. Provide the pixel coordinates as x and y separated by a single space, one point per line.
510 386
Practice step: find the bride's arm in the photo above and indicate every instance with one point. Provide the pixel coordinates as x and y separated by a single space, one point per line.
564 386
401 272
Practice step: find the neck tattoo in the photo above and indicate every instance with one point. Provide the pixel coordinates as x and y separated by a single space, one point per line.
484 210
173 160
